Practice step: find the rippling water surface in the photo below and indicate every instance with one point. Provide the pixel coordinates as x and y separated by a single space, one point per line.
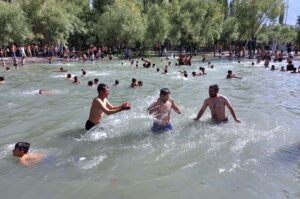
259 158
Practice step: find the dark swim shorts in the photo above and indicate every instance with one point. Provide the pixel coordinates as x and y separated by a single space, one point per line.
89 125
157 128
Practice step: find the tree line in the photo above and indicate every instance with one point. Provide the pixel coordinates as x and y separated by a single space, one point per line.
143 24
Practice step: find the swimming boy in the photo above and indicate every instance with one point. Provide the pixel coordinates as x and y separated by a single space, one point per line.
27 159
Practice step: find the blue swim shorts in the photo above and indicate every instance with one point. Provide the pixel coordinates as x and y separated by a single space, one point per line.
157 128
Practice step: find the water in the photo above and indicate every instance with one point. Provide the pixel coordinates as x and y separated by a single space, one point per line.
259 158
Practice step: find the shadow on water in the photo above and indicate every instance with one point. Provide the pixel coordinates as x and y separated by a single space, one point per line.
288 155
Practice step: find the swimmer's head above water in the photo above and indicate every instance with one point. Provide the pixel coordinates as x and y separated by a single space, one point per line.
41 91
164 94
213 90
103 90
21 148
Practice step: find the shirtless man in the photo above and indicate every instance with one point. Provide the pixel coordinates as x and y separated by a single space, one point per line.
27 159
101 106
217 104
162 111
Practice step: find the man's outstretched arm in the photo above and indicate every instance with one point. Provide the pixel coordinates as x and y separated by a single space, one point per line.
202 110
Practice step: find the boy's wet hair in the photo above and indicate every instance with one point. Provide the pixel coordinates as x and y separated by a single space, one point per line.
215 87
22 146
1 78
165 91
69 75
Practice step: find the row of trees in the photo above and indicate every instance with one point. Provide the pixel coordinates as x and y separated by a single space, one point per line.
143 24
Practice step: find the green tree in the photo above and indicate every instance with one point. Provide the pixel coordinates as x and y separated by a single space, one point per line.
229 31
100 5
281 16
173 10
52 21
158 25
298 37
280 34
199 22
14 26
252 15
121 24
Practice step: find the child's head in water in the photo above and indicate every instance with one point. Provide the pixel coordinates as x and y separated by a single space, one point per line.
140 83
25 158
21 148
41 91
116 82
90 83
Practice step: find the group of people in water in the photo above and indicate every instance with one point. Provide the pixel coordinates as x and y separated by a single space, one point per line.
161 108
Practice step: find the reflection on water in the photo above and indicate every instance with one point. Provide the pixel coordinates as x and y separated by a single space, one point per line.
121 158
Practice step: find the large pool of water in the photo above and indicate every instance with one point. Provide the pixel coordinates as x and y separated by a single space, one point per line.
258 158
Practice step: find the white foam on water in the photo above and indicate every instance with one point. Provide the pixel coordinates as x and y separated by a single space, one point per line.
190 165
88 164
93 136
4 151
34 92
221 170
11 105
60 76
97 73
